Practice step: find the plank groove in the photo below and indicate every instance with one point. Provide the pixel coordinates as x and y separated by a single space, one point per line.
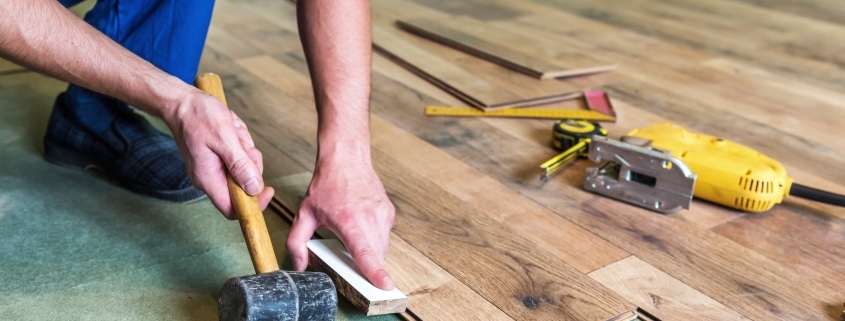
659 293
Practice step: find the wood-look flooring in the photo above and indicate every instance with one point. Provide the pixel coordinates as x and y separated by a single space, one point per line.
479 237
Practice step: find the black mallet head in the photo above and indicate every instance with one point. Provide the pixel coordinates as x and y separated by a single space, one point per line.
277 296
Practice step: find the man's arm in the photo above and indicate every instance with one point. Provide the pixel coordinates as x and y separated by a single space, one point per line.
345 194
44 36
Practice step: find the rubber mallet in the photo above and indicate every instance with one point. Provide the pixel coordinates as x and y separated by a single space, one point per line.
270 294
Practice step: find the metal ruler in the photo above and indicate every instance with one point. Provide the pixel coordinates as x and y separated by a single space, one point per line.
522 112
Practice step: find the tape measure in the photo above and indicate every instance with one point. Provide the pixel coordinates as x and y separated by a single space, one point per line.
522 112
572 138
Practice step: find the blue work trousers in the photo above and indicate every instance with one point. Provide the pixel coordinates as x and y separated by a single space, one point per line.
168 33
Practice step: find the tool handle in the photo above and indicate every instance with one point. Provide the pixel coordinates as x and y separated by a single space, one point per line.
245 206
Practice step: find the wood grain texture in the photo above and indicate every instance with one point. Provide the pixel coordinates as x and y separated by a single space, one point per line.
659 293
475 225
506 206
432 291
547 298
475 38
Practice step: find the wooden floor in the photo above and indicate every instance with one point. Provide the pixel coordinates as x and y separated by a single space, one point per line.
479 237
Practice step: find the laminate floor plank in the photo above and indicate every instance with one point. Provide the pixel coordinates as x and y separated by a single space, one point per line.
502 47
659 293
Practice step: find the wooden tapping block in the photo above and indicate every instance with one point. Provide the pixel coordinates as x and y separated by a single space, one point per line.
330 256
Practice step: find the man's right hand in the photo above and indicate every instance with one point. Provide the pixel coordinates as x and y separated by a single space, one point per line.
213 141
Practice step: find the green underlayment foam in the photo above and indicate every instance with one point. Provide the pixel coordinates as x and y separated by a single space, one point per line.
74 246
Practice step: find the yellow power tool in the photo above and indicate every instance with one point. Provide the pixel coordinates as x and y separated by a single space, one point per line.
728 173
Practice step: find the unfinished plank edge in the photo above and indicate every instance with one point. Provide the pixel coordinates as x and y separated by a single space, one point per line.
355 296
407 26
330 256
428 77
561 75
503 61
533 102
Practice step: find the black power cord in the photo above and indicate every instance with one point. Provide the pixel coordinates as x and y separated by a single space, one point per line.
817 195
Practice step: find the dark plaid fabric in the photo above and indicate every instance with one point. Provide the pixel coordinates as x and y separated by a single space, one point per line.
130 151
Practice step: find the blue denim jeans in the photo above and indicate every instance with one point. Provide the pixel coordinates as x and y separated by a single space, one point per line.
168 33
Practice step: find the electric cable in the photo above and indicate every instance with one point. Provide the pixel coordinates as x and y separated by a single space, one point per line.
817 195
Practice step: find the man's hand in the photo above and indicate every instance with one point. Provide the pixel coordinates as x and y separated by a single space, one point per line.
44 36
350 200
214 141
345 194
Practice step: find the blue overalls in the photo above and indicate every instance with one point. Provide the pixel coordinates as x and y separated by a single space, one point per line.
168 33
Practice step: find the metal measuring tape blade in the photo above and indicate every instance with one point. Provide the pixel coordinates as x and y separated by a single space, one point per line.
572 137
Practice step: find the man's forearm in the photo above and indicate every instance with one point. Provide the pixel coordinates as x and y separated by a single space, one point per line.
337 40
44 36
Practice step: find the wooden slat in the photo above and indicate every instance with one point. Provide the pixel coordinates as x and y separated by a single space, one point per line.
659 293
474 38
472 88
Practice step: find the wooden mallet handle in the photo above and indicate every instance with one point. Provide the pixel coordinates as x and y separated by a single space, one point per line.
245 206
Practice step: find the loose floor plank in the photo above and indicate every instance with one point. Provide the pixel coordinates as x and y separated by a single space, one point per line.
462 34
478 82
